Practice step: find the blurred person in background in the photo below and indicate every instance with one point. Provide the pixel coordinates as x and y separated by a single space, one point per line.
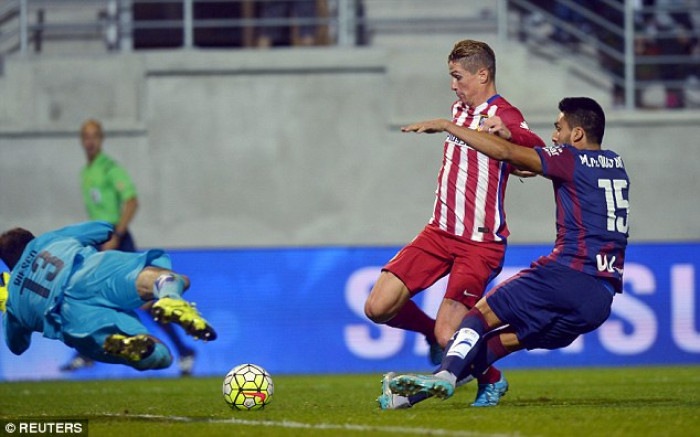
281 35
108 191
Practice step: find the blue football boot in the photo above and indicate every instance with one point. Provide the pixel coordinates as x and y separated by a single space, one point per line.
408 385
435 354
388 400
489 395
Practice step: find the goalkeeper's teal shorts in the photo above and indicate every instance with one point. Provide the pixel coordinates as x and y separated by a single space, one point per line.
101 298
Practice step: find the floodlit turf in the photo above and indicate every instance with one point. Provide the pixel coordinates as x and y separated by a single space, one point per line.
650 401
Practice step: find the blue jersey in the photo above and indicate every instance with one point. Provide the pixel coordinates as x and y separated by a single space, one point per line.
591 192
40 277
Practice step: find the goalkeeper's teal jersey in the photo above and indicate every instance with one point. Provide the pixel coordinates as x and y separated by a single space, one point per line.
41 276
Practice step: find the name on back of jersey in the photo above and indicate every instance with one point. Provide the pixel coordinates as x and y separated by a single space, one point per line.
601 161
27 263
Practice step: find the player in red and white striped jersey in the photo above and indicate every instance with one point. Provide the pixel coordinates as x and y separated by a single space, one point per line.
471 186
467 233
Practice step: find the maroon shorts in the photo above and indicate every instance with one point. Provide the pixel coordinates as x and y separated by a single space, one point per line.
434 253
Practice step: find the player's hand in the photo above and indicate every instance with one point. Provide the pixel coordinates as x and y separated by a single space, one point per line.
494 125
428 126
111 244
524 173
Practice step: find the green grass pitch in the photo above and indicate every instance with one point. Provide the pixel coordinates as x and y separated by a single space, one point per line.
633 401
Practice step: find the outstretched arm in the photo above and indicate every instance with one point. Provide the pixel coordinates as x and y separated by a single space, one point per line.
492 146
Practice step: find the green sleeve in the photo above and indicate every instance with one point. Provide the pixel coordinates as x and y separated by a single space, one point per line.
122 183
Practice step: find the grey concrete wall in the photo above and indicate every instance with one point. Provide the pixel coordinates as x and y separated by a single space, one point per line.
299 147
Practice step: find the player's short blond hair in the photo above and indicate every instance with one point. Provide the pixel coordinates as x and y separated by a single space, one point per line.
94 123
474 55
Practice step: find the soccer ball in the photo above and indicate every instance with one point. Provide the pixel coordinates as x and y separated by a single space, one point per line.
248 387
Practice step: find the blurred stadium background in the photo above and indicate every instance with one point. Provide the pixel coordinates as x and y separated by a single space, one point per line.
280 181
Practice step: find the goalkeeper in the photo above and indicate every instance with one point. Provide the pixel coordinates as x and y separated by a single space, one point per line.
61 286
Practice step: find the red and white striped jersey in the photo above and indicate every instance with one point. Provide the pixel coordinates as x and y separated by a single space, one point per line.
471 187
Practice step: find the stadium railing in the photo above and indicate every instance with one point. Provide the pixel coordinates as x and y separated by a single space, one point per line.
124 25
640 50
651 54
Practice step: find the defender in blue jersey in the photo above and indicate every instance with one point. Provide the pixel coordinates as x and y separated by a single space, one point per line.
564 294
64 288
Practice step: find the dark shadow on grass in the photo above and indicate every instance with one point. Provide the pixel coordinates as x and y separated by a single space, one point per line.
599 402
544 401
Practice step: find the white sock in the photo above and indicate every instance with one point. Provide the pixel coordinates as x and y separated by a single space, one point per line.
465 380
168 285
401 401
447 376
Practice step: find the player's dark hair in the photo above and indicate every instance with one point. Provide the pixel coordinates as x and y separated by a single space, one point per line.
473 55
12 244
585 113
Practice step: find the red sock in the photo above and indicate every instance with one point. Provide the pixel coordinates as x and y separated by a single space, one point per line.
412 318
494 351
491 376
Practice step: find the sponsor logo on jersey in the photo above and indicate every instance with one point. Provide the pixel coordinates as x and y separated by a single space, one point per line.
455 140
607 265
553 150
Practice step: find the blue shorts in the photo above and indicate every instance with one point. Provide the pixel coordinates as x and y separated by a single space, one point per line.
100 299
549 305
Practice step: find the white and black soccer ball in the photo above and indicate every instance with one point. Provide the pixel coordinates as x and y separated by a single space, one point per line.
248 387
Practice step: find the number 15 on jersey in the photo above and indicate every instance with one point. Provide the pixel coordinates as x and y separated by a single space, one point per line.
615 201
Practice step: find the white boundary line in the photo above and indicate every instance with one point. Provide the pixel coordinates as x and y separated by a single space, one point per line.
320 426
